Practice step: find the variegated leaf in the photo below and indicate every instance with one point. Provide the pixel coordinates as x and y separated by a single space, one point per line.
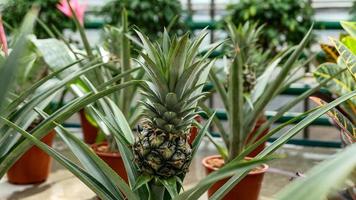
331 52
348 58
348 129
340 85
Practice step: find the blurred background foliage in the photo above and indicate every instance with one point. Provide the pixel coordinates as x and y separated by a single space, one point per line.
149 15
286 21
15 10
353 11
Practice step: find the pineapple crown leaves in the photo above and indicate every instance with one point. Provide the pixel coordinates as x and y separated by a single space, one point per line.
245 36
172 65
176 73
244 43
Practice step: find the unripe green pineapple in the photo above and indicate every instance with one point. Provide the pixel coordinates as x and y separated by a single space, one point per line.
249 77
175 80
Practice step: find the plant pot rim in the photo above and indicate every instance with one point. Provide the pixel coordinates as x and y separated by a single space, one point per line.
95 147
254 172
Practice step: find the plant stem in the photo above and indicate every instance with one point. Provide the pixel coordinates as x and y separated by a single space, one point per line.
157 191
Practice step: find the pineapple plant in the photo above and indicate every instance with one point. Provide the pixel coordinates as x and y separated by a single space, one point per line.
175 77
255 58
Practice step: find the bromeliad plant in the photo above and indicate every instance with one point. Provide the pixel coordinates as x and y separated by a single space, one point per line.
245 98
175 80
242 114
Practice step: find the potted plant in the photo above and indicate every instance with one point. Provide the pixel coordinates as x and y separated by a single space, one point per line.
23 105
109 71
34 166
244 101
116 45
229 185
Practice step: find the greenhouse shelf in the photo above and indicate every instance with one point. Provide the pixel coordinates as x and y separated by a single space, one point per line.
196 25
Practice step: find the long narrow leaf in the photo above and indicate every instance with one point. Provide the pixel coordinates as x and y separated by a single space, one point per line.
8 68
219 194
327 176
85 177
59 116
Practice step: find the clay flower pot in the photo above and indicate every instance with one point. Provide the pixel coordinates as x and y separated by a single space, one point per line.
260 148
90 132
113 159
247 189
33 166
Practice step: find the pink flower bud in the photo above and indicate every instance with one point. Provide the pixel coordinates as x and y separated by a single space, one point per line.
79 9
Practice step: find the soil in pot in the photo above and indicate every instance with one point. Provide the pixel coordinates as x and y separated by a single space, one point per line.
247 189
113 159
34 166
260 148
90 132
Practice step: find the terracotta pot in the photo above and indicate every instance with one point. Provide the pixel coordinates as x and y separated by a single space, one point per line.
90 132
33 166
194 131
113 159
247 189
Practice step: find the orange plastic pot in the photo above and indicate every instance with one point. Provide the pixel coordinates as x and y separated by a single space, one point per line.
113 159
260 148
33 166
90 132
247 189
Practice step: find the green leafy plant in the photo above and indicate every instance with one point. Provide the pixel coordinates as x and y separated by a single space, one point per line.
154 14
344 82
175 81
24 107
14 11
286 22
244 101
114 59
10 63
244 108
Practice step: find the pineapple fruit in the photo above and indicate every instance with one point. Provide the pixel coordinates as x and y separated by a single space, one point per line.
249 77
175 77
